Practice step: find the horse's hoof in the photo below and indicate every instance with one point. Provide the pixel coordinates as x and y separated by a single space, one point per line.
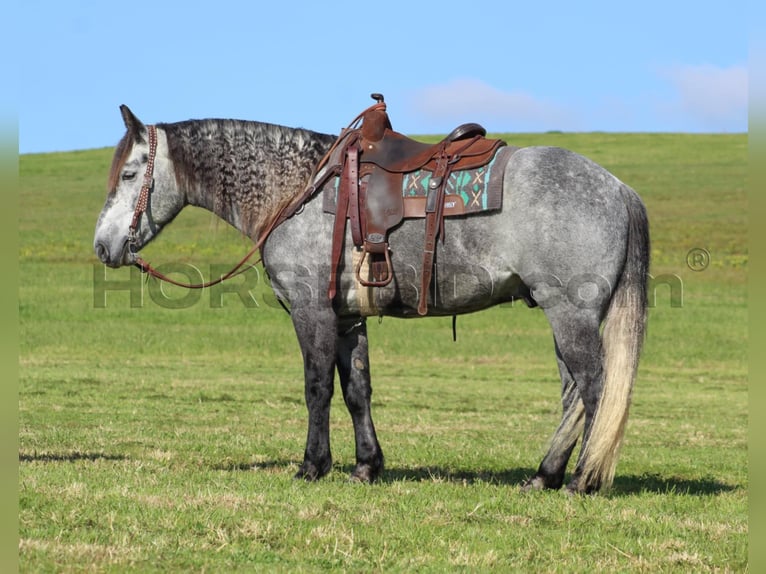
542 482
576 488
533 484
310 472
366 473
307 476
573 491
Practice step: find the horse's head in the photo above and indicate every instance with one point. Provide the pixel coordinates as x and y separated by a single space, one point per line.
122 228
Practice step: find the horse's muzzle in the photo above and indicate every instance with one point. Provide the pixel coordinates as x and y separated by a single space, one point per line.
120 257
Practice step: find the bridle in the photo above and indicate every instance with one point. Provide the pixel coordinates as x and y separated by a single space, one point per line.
142 204
146 188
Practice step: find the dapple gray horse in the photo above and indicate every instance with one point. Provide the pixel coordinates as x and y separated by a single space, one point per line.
570 238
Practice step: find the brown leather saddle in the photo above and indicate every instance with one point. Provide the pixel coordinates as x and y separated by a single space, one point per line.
371 161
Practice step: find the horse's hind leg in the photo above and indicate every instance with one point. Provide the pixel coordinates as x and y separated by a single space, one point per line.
551 472
579 353
354 370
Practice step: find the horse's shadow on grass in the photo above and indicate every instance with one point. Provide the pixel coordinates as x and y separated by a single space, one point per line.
658 484
624 485
510 477
73 456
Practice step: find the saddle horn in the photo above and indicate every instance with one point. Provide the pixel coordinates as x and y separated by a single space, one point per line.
375 121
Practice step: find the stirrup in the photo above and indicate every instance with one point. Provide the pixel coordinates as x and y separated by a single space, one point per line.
381 283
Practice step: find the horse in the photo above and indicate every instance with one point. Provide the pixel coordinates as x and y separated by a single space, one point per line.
570 238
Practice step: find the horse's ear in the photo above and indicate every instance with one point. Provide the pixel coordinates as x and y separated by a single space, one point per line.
135 128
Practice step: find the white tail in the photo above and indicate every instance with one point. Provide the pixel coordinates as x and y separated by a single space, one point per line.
622 339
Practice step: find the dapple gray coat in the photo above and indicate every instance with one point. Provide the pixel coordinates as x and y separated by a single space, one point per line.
570 238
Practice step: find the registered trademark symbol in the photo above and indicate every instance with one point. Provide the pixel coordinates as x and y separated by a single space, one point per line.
698 259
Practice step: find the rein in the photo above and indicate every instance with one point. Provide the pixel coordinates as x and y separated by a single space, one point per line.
318 177
142 204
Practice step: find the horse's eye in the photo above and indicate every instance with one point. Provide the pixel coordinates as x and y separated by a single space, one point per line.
128 175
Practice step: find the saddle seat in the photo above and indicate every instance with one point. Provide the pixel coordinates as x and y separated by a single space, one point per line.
372 161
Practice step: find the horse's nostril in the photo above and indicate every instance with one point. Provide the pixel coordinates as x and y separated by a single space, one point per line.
102 252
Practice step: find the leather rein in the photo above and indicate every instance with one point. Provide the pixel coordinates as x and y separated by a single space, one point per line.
318 178
143 201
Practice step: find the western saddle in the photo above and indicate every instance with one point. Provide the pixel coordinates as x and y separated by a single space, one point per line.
371 160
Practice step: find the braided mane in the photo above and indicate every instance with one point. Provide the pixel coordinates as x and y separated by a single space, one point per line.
243 171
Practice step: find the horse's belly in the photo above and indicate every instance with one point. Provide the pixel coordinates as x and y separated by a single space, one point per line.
455 289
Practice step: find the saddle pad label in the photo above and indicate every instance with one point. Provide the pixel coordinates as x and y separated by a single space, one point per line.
467 191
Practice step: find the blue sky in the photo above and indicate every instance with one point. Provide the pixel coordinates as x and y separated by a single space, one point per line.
512 66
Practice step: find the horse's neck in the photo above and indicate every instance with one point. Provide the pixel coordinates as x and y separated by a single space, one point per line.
244 172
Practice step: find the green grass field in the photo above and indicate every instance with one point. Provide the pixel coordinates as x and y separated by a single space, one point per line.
165 439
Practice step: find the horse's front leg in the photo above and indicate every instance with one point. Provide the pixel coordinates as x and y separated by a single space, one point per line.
316 329
354 370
